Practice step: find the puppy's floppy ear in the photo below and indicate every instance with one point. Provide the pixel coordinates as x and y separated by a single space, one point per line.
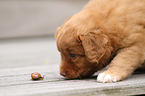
94 44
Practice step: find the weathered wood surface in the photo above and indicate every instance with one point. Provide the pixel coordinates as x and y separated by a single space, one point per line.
17 82
19 58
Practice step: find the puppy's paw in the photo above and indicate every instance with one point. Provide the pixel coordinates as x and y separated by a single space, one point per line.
108 77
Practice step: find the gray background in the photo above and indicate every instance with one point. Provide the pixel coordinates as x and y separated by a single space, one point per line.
26 18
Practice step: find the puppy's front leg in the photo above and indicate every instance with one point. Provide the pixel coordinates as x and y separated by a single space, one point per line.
126 61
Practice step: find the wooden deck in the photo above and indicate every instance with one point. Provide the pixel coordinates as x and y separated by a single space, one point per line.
19 58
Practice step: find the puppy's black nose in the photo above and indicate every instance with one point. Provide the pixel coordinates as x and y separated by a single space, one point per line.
63 74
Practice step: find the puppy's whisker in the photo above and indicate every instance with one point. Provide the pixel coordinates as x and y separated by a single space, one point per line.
86 72
77 74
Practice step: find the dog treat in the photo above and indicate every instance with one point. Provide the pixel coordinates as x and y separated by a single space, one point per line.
37 76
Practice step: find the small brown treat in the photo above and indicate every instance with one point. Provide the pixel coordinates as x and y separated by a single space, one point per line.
37 76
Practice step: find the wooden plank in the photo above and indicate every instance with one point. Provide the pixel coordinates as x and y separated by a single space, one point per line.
28 52
16 82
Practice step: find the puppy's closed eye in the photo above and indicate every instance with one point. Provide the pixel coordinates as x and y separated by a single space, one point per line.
73 56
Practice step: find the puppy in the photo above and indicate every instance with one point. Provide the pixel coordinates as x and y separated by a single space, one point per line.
104 32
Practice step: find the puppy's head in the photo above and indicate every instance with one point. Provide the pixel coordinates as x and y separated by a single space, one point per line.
82 53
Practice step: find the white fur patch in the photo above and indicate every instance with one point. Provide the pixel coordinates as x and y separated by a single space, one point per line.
106 78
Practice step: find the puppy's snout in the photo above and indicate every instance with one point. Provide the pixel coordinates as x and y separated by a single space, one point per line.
63 74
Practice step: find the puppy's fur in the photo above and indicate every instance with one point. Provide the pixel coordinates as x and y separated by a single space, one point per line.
104 32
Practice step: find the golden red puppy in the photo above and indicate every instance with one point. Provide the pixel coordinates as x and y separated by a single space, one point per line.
104 32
